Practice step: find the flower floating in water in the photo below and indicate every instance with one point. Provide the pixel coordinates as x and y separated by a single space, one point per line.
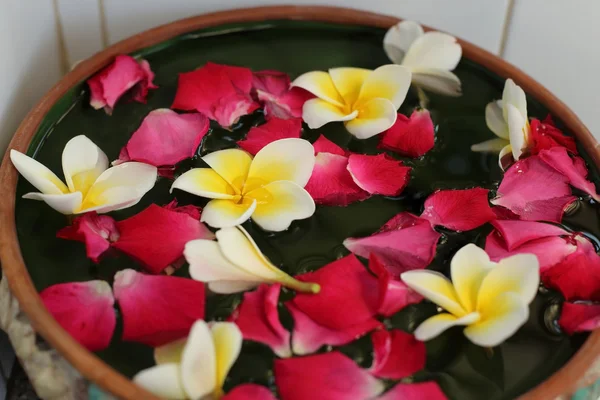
270 187
507 118
366 101
234 263
429 56
491 299
199 369
91 185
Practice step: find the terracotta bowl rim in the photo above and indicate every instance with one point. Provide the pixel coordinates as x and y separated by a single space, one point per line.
89 365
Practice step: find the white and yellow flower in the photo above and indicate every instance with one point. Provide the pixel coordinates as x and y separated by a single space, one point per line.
268 188
91 185
365 100
196 368
491 299
507 118
234 263
430 56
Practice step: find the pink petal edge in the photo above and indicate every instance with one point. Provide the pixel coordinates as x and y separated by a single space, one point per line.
396 354
459 210
274 129
378 174
412 136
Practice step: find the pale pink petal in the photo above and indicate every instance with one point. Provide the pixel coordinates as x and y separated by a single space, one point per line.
573 168
579 317
378 174
274 129
96 231
412 136
396 354
459 210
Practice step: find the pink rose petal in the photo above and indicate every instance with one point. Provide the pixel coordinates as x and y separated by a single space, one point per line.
309 336
331 184
348 295
165 138
397 354
577 276
534 191
273 90
405 242
274 129
415 391
85 310
258 319
324 145
96 231
221 92
249 391
412 136
378 174
329 376
108 85
459 210
157 309
156 236
579 317
573 168
517 233
544 135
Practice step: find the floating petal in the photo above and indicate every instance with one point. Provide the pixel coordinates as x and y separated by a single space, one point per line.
399 38
574 169
249 391
162 380
390 82
348 82
579 317
83 162
437 288
374 116
396 354
318 112
233 165
96 231
495 120
434 326
321 85
37 174
274 129
515 96
228 344
468 268
433 50
204 182
544 135
437 80
280 101
459 210
220 213
517 233
63 203
412 136
199 362
415 391
576 276
324 145
378 174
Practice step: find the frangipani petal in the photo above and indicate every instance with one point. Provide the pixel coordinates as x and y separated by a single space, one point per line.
348 82
515 96
374 116
279 203
437 80
321 85
170 352
204 182
207 264
227 287
227 339
318 112
437 324
390 82
468 268
509 313
517 126
199 370
83 162
63 203
37 174
495 120
232 165
435 287
495 145
434 50
399 38
220 213
162 380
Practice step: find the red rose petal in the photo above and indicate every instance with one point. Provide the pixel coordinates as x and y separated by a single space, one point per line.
274 129
258 319
96 231
412 136
579 317
348 294
329 376
273 90
324 145
534 191
544 135
378 174
459 210
165 138
157 309
249 391
397 354
85 310
221 92
156 236
309 336
415 391
577 276
191 210
108 85
405 242
394 295
573 169
331 184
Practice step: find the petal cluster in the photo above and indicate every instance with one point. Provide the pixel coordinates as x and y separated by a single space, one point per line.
272 88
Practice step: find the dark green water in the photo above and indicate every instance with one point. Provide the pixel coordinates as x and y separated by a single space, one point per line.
465 371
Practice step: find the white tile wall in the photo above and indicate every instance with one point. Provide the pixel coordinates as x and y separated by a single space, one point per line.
81 28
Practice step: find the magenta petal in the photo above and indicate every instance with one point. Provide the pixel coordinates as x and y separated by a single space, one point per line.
405 242
517 233
573 169
324 145
273 90
96 231
348 294
329 376
156 236
309 336
85 310
415 391
274 129
249 391
459 210
258 319
397 354
378 174
157 309
221 92
412 136
166 138
579 317
577 276
534 191
331 184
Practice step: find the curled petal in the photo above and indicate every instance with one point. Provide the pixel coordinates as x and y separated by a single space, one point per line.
249 391
495 119
460 210
573 169
204 182
579 317
321 85
83 162
199 362
85 310
274 129
96 231
324 145
434 50
544 135
220 213
37 174
157 309
434 326
318 112
397 354
437 80
374 116
576 276
515 96
412 136
63 203
390 82
435 287
162 380
414 391
378 174
399 38
517 233
280 101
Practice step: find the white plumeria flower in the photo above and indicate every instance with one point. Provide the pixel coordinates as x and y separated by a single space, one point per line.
91 185
196 368
490 298
234 263
268 188
366 101
507 118
429 56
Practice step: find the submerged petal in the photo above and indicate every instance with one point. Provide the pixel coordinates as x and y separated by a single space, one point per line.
437 324
224 213
204 182
83 162
435 287
232 165
318 112
374 116
321 85
37 174
390 82
399 38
